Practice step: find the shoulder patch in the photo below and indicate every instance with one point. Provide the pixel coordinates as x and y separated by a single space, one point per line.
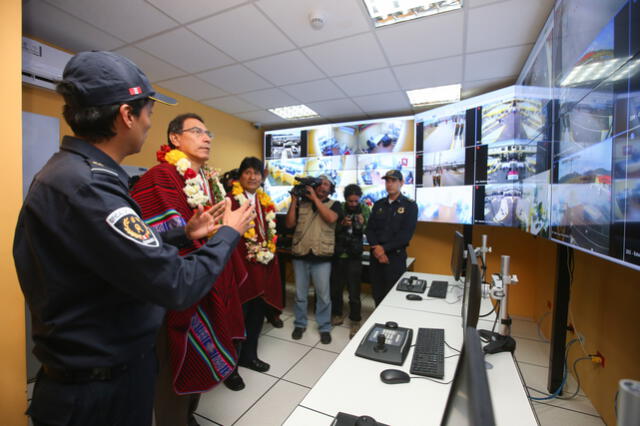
126 222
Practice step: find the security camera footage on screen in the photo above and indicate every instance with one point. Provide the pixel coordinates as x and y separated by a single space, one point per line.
359 153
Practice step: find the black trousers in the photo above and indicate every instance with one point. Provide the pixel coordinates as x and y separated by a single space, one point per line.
126 400
346 271
254 311
384 276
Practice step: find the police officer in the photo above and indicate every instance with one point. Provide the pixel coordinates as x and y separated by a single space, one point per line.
390 228
95 276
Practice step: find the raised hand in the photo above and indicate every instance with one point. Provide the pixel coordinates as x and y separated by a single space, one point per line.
239 219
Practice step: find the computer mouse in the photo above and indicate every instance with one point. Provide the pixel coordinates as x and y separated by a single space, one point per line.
392 376
413 296
391 324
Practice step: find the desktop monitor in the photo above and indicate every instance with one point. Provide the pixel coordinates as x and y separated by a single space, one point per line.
472 295
457 255
469 401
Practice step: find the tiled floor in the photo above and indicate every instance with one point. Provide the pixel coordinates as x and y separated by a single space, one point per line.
296 365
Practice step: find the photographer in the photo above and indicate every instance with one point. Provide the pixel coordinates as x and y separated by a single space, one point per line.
314 217
347 262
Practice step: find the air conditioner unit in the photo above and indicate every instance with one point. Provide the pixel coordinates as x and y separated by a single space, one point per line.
42 65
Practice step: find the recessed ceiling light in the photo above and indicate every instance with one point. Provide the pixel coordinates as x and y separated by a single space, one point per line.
294 112
387 12
434 95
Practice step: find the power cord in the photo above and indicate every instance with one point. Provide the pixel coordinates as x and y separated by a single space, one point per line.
432 380
556 394
451 347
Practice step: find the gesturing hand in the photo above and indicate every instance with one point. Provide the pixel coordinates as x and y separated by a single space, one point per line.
239 219
204 223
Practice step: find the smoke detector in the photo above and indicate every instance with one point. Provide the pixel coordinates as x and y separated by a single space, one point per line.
317 19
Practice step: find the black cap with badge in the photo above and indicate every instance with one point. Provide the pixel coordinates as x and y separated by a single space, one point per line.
393 174
105 78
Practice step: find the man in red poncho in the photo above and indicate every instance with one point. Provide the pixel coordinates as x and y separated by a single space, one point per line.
263 286
195 348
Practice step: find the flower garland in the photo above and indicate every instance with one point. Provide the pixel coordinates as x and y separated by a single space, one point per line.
262 252
194 187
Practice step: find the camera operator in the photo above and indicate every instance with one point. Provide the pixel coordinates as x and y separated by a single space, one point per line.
390 228
347 262
314 217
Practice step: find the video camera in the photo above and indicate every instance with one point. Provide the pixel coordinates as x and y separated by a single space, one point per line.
300 190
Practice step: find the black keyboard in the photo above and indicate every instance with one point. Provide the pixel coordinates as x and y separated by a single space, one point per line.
438 289
428 354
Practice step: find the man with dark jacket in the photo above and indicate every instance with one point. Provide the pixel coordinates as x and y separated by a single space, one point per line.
391 226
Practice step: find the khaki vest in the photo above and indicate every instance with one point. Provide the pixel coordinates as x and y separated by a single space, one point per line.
313 234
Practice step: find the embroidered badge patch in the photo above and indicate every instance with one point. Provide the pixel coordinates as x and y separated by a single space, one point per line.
128 224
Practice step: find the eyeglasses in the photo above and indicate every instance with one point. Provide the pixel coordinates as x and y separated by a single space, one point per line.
198 132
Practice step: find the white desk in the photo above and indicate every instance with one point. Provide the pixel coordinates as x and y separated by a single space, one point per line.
352 384
452 305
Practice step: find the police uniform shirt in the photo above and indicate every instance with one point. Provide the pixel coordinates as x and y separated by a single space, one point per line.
391 224
95 276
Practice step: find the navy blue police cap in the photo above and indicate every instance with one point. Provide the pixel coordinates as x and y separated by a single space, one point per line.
393 174
106 78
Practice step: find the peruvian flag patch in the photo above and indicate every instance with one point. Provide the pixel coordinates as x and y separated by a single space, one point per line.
135 90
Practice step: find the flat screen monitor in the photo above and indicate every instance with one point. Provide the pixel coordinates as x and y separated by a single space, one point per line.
469 401
457 255
472 295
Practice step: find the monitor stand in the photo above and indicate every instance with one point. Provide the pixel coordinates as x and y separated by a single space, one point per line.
497 342
501 342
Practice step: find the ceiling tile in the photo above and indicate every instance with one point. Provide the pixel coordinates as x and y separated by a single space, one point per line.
129 20
192 87
342 18
313 91
367 83
349 55
37 19
264 117
286 68
505 24
495 63
394 102
196 8
231 104
269 98
336 108
153 67
439 72
185 50
235 79
475 88
260 37
426 38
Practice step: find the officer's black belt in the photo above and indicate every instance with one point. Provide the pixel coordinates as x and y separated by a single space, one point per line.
96 374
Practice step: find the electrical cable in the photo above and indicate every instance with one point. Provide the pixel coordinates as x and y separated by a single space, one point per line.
495 322
556 394
489 313
434 381
451 347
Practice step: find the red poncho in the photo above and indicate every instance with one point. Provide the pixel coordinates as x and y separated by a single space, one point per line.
200 338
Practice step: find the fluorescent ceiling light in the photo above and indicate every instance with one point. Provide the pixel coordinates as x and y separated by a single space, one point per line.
387 12
592 72
434 95
294 112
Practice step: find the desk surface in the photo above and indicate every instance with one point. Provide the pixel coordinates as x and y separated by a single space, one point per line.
353 384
